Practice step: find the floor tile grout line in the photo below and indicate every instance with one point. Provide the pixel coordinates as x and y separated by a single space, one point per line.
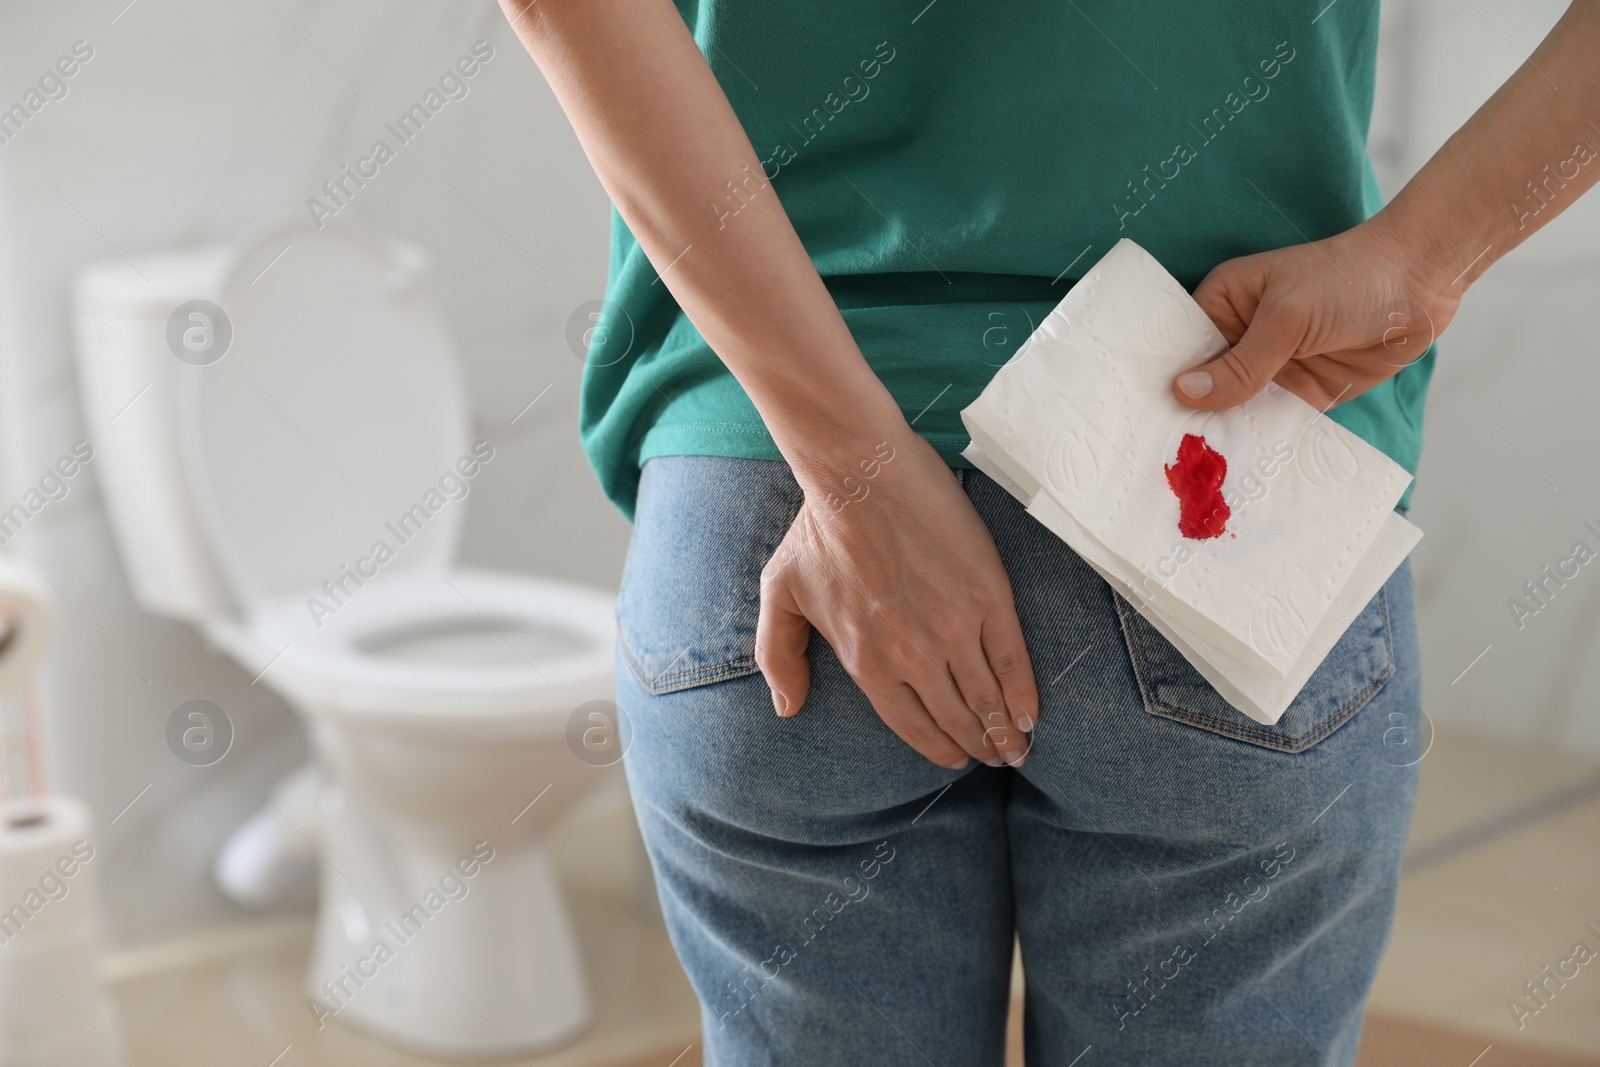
1516 819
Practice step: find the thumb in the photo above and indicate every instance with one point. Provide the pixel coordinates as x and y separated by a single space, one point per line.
1270 341
781 636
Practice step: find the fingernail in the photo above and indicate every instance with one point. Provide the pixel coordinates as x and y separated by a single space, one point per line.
961 765
1014 757
1025 723
780 702
1195 383
995 762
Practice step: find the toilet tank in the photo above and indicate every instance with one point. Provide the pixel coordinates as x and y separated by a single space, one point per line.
128 378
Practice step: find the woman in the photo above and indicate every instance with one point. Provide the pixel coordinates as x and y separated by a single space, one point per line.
836 220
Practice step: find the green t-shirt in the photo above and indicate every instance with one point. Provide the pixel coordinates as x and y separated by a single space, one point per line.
953 167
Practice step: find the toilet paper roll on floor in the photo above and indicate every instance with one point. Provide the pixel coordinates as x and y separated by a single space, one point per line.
52 1007
1249 537
24 622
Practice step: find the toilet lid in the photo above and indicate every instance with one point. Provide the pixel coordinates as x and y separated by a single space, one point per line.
331 438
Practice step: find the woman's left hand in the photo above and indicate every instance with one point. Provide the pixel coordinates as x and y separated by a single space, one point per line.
1326 321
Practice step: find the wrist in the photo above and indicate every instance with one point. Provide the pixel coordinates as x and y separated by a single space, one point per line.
1442 242
835 454
1433 262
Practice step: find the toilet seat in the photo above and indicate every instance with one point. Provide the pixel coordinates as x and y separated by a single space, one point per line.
341 667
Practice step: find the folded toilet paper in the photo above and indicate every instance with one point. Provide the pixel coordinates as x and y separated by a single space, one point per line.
1249 537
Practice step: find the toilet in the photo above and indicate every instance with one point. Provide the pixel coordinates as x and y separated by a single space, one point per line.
284 443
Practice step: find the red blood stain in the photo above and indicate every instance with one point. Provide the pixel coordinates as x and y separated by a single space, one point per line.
1197 479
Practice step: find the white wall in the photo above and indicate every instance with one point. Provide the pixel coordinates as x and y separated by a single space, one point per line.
1507 484
192 120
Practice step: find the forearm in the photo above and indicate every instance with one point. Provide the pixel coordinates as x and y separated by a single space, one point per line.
1525 156
668 148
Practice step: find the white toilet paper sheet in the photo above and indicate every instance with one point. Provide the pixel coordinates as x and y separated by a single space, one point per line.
1081 425
1259 694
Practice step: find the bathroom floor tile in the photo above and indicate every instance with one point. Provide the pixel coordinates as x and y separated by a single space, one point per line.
1502 875
1481 912
1474 928
1502 777
1395 1042
244 1004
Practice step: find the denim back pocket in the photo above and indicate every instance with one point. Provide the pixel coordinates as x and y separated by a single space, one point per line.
704 528
1354 671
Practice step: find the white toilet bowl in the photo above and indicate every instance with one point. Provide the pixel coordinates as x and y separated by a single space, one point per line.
438 705
250 494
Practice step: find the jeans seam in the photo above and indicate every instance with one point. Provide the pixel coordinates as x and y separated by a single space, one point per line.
1335 719
733 668
736 667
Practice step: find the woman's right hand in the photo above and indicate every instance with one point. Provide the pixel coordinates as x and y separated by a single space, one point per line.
894 567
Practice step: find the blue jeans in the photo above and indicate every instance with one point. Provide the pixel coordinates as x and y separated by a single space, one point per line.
1187 885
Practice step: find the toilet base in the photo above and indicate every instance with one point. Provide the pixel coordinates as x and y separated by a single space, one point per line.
456 952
